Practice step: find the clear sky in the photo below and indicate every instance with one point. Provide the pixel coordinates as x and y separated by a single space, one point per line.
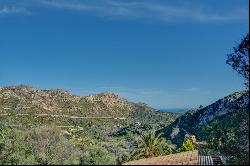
169 54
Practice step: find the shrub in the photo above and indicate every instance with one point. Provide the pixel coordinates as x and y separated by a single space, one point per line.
187 146
97 155
17 150
3 134
151 145
50 147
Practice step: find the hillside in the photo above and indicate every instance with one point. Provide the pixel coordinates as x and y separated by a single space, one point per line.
91 123
105 124
97 115
28 100
224 125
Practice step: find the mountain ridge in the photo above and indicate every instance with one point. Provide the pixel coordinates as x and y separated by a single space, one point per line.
29 100
194 121
108 98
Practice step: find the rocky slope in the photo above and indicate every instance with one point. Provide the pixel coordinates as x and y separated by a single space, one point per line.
33 102
58 100
195 120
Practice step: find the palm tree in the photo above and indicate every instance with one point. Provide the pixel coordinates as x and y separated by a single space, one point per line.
151 145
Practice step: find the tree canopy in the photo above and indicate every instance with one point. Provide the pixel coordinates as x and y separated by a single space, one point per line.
239 59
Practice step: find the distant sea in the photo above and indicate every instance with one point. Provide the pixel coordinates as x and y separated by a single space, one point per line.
175 110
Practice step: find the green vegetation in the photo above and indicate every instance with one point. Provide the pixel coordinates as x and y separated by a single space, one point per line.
151 145
48 145
50 128
54 127
230 138
16 150
223 127
239 59
97 156
187 146
3 134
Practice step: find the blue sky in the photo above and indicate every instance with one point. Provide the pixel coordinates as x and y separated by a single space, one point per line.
169 54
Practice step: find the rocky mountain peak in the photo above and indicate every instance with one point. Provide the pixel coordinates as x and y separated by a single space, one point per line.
57 99
111 100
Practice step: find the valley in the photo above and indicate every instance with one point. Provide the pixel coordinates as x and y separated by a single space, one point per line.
108 122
